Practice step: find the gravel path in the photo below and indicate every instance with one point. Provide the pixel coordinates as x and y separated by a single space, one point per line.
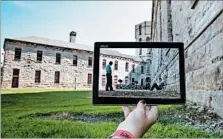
139 94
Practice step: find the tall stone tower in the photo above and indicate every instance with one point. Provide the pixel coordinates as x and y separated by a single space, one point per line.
142 34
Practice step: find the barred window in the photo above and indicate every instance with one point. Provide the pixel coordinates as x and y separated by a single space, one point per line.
37 76
17 53
57 77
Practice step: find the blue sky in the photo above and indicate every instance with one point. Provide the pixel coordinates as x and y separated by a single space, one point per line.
92 20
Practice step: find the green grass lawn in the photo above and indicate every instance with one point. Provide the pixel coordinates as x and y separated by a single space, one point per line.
18 122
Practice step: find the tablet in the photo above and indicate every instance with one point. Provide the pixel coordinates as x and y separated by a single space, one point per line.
126 72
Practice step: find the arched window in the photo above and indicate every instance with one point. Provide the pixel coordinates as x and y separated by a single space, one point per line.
116 65
148 79
140 39
140 29
126 79
147 39
104 63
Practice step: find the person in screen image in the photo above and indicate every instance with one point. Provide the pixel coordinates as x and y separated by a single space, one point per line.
159 86
109 77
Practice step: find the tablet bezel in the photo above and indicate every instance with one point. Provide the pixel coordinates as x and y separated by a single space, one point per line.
125 101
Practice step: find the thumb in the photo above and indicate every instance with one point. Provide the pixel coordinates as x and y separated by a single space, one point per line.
126 110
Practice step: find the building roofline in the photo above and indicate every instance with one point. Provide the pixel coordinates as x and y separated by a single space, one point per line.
8 39
23 41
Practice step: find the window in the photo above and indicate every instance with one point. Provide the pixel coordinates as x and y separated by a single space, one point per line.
37 76
17 53
126 79
133 81
126 66
15 78
103 80
140 39
116 65
104 63
141 82
57 77
140 51
89 61
39 56
140 29
75 60
115 80
133 68
58 58
147 39
148 69
89 78
142 68
148 79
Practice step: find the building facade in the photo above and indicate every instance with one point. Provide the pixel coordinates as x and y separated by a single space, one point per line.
199 25
35 62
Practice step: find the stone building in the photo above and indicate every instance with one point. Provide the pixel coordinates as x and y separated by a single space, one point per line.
36 62
199 25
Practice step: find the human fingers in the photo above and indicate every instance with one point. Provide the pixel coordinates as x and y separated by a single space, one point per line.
152 114
141 105
126 110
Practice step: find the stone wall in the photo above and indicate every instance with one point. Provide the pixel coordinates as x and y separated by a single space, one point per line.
201 30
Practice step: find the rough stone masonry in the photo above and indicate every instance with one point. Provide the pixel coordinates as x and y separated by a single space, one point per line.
199 25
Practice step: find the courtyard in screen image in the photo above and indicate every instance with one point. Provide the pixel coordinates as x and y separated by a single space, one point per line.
140 73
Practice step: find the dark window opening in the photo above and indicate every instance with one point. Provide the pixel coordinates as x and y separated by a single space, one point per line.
140 39
116 65
104 63
127 66
39 56
148 79
133 81
140 51
140 29
15 78
142 69
74 60
147 39
58 58
89 80
37 76
133 68
17 53
90 61
57 77
141 82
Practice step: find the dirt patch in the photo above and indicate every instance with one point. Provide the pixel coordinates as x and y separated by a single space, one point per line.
92 118
190 116
194 117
